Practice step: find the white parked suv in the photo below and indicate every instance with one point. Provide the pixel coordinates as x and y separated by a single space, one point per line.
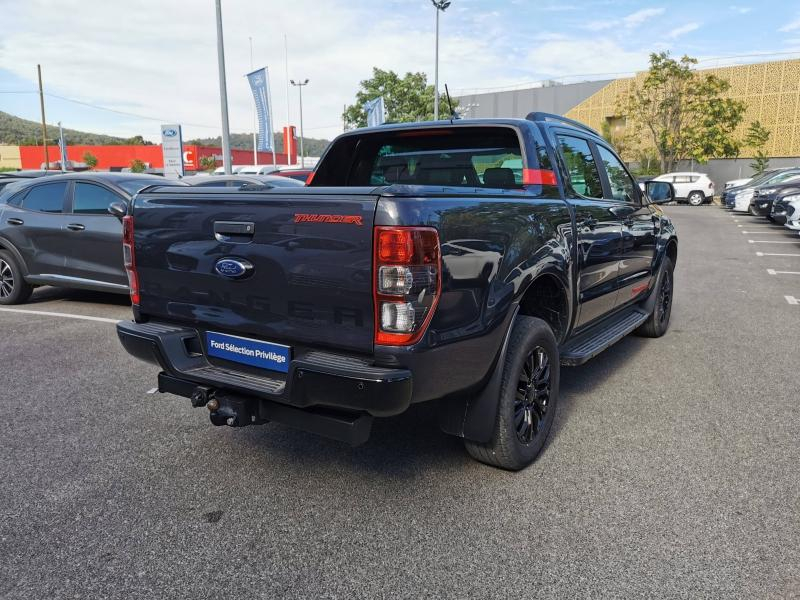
694 188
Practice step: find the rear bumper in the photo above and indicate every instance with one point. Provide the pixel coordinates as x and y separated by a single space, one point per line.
314 379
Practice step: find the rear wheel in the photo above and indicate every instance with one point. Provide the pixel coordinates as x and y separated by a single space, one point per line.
752 210
696 198
528 398
13 288
658 322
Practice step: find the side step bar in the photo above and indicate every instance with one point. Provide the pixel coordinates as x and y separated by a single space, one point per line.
597 338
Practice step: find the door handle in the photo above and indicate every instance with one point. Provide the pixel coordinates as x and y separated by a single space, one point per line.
15 221
588 223
76 227
237 232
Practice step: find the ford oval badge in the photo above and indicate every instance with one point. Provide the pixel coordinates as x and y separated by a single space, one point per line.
170 132
233 268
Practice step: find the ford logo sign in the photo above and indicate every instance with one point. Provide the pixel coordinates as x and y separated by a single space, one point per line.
233 268
169 132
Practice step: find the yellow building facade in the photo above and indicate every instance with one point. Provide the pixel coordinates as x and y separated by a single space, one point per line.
10 158
770 91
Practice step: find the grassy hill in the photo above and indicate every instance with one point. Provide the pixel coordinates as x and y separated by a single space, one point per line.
22 132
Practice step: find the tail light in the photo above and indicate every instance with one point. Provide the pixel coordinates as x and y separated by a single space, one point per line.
407 283
129 257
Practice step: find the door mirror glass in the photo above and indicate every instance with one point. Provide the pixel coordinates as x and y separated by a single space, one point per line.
660 192
119 209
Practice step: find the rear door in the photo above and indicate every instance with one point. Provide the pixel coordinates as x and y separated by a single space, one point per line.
599 228
34 222
639 233
94 237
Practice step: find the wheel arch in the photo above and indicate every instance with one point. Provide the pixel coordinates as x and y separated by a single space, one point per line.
9 247
547 297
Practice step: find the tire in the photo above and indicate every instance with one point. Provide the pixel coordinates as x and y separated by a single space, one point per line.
528 398
696 198
13 289
752 210
658 321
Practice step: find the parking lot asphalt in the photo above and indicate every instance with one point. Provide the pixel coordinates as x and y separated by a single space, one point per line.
671 470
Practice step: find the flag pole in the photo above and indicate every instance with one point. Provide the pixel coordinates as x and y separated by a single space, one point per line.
255 151
270 133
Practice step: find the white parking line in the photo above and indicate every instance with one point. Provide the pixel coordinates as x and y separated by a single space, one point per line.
58 314
774 272
774 254
769 242
792 300
766 232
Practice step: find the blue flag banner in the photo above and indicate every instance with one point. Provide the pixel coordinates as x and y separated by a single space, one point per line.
376 112
259 84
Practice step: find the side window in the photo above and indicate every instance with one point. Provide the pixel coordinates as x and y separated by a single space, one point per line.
90 199
583 173
46 198
682 179
621 183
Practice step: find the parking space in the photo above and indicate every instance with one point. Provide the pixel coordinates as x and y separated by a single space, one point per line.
671 469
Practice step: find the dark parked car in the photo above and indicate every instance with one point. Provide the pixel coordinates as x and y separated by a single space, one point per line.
764 196
772 176
240 181
10 177
58 231
413 268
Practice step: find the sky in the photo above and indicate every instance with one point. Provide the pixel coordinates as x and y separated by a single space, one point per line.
154 61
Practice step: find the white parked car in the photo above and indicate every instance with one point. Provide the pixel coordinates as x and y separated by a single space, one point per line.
737 182
234 170
793 212
257 170
742 200
694 188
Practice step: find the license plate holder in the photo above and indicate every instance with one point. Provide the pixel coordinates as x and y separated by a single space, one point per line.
247 351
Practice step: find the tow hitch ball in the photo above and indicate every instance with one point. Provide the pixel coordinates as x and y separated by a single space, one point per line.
224 409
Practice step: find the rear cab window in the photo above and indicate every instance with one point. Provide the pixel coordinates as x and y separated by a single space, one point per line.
488 157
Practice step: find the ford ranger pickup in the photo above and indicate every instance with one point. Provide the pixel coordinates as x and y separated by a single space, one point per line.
461 262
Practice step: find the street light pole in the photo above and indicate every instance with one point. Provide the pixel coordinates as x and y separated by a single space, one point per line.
300 84
439 5
223 94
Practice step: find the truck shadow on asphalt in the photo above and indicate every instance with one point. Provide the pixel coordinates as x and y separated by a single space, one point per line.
49 294
411 444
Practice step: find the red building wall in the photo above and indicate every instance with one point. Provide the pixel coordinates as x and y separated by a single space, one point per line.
32 157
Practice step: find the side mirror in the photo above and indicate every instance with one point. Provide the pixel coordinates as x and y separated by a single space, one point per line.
118 209
659 192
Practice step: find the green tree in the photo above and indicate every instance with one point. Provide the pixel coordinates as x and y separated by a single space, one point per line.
137 166
684 111
407 98
90 160
207 163
756 138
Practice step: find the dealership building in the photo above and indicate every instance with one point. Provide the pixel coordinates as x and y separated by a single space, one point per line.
770 90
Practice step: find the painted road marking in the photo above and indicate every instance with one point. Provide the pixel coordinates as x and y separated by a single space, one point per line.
766 232
772 254
774 272
769 242
152 390
58 314
792 300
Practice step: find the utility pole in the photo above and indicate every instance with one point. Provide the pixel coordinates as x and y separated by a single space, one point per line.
255 151
223 94
439 5
44 123
300 85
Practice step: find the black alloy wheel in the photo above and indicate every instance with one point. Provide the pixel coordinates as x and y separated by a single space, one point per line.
533 395
664 303
13 287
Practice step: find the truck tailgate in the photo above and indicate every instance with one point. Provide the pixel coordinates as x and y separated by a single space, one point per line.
285 267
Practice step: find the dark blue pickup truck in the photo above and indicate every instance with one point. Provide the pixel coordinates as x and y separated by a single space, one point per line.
461 262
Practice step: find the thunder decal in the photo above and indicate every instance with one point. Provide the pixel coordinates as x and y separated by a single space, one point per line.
338 219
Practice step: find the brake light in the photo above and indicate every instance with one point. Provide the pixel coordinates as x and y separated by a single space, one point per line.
406 284
538 177
129 257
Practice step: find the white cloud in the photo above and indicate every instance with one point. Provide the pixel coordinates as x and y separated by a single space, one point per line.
160 60
629 22
581 56
742 10
682 30
791 26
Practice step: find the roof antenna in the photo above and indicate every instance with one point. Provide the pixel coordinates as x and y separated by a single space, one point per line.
450 104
